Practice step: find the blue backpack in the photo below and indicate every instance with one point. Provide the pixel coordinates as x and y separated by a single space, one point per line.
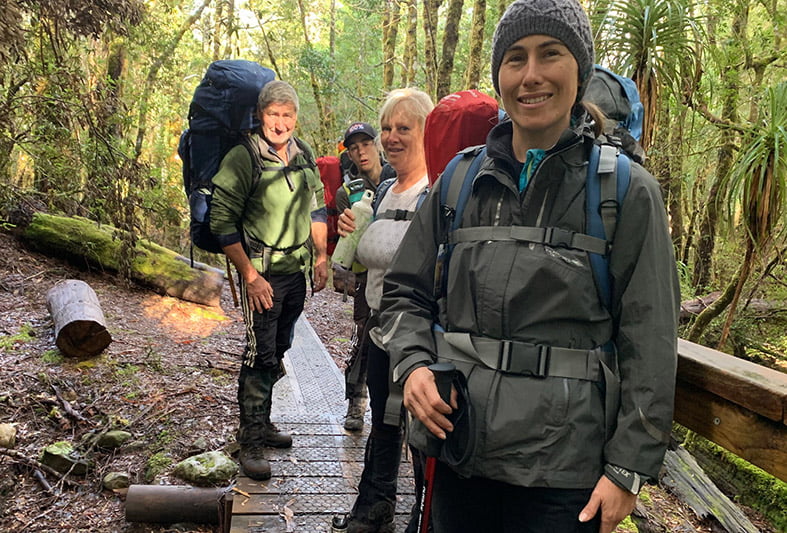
222 114
618 98
608 177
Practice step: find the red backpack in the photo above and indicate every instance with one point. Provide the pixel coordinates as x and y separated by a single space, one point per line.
331 177
458 120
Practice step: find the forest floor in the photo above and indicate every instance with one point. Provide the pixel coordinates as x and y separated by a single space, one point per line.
168 377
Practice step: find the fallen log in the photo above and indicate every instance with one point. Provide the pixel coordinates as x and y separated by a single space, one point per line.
691 308
687 480
82 241
168 504
80 327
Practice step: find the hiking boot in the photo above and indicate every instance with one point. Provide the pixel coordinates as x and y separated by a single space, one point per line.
380 519
355 411
274 438
254 463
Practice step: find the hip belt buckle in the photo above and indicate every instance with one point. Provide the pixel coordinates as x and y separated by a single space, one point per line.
523 358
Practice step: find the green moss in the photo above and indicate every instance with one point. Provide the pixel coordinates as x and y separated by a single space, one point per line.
627 525
23 336
52 357
753 486
157 463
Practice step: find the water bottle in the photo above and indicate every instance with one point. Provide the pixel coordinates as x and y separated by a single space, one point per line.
339 524
344 253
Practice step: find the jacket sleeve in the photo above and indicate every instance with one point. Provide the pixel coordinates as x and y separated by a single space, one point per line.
646 302
408 308
232 187
342 200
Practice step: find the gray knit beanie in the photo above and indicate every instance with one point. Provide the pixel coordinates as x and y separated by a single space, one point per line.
563 19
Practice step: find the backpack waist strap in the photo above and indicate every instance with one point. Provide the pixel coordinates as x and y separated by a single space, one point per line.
555 237
524 358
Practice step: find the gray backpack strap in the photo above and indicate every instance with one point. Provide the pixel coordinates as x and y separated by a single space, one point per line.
551 236
455 186
607 173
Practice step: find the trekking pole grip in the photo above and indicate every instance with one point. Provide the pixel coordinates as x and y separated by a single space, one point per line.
443 376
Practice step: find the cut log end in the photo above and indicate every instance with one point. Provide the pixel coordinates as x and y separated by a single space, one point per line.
83 338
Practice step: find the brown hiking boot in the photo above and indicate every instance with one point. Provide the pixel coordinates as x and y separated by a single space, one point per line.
254 463
274 438
353 421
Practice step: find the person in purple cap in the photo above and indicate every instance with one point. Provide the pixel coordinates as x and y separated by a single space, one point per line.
369 169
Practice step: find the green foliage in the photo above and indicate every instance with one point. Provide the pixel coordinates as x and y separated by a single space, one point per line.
757 183
24 335
156 464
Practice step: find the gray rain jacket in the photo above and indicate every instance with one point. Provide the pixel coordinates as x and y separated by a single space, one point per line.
552 431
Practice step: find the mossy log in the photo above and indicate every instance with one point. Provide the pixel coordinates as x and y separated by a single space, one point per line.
686 479
80 327
81 240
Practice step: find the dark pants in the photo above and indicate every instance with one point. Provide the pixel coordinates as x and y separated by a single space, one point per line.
476 504
268 336
377 489
355 374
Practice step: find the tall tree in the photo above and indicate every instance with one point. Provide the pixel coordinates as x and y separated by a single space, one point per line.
390 31
757 186
473 68
410 43
430 45
450 39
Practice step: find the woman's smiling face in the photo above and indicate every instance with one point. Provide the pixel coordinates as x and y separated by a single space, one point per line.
402 138
539 80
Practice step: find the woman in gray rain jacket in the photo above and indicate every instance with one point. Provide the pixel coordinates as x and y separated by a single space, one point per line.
571 401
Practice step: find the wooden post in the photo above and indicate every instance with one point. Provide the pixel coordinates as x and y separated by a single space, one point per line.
168 504
80 328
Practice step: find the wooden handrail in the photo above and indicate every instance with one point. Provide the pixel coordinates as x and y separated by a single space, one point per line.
739 405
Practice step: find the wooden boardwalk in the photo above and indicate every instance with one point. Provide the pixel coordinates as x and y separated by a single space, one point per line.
318 477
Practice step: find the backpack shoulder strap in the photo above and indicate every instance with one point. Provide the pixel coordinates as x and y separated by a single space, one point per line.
607 182
382 188
456 182
256 158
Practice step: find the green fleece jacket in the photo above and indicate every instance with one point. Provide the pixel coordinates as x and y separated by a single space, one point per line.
274 210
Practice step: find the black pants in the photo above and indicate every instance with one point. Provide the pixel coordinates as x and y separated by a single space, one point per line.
476 504
355 374
383 448
269 334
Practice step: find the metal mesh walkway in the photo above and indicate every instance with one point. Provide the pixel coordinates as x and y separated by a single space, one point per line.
318 477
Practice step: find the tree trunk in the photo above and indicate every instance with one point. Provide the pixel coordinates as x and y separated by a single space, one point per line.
714 310
326 116
390 31
80 327
450 38
410 45
473 67
430 45
150 82
84 242
731 83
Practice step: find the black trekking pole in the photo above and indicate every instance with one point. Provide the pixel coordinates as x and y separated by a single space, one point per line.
443 376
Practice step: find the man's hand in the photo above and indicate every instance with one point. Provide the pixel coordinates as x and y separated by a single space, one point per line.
346 223
614 503
260 294
320 272
423 401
